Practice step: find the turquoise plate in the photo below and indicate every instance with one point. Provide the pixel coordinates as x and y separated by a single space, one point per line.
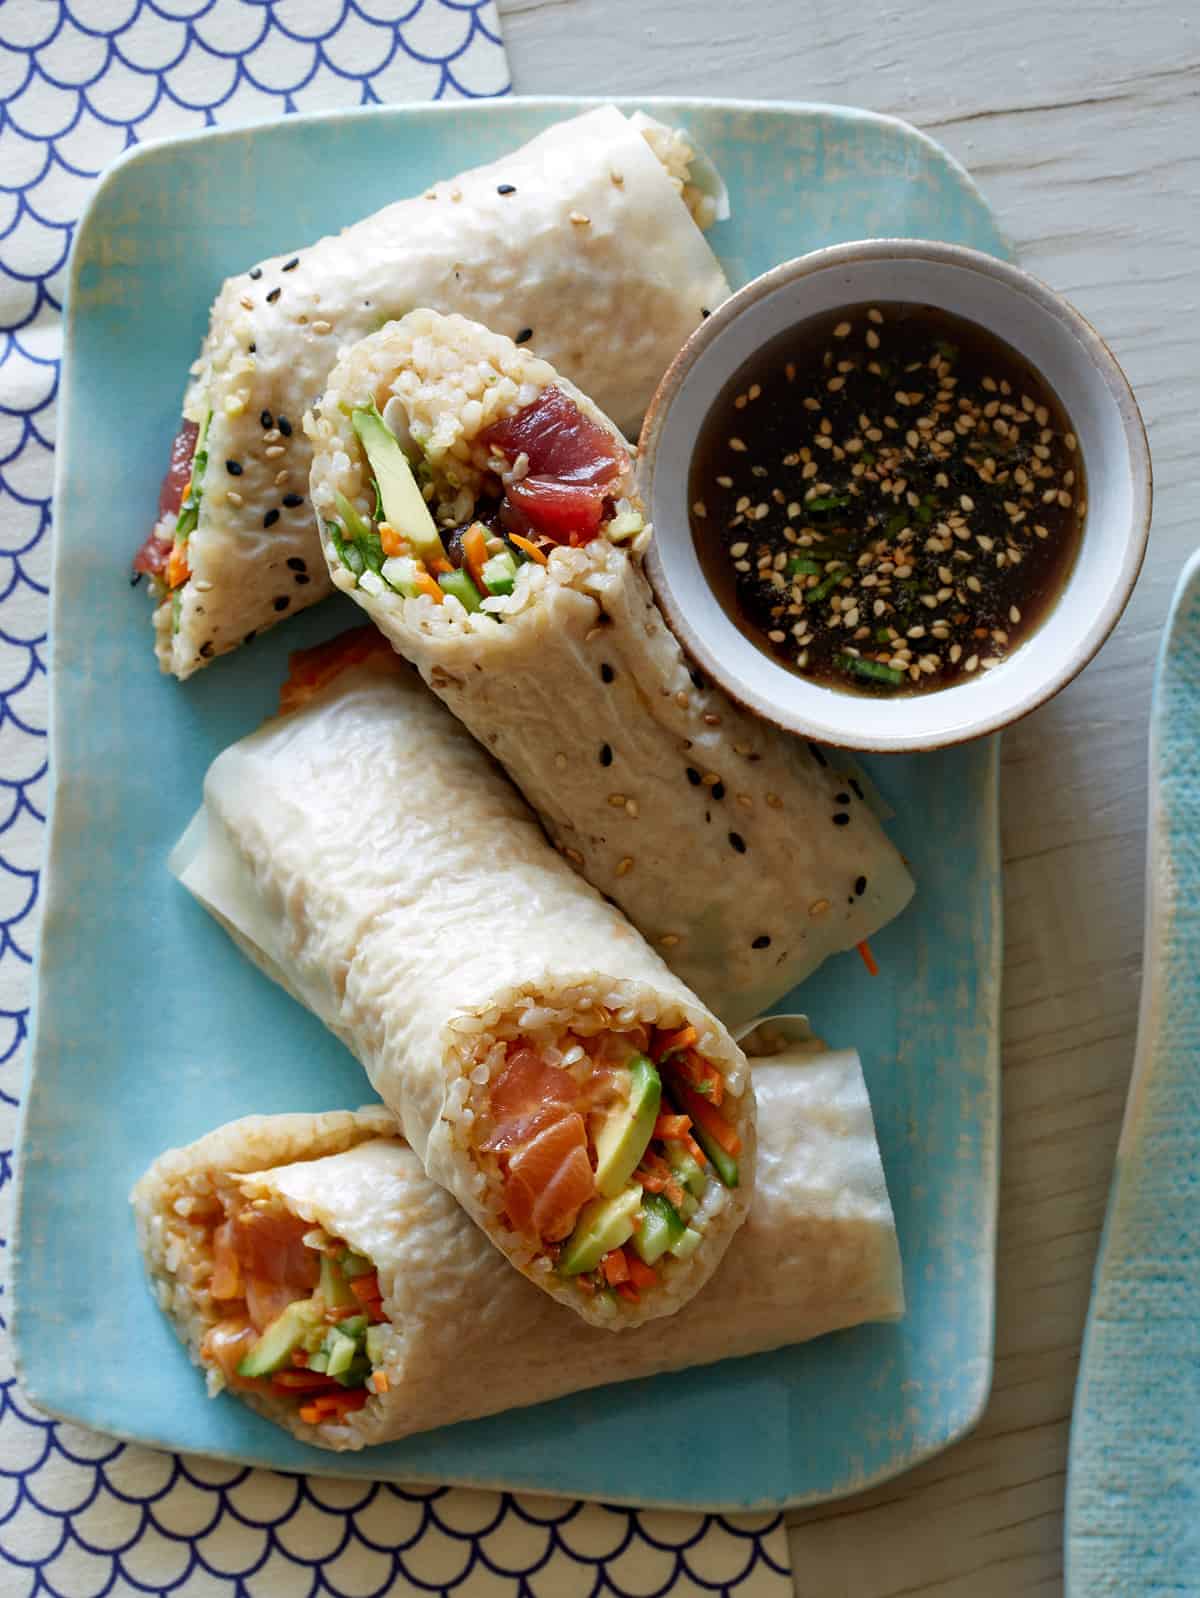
150 1027
1133 1484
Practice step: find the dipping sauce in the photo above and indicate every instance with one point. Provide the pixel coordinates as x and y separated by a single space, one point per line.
887 499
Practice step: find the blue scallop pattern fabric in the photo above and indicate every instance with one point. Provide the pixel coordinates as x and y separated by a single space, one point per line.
81 1514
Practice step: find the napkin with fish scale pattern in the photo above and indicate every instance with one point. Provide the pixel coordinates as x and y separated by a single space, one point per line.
80 1514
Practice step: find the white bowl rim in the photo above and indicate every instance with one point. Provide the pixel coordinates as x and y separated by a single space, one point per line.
1108 372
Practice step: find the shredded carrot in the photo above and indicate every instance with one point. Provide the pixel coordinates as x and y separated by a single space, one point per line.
695 1150
311 1414
708 1117
675 1193
530 548
440 564
177 567
310 670
703 1075
668 1042
868 959
653 1173
303 1382
330 1405
379 1382
426 585
640 1274
615 1267
366 1288
394 543
672 1128
475 554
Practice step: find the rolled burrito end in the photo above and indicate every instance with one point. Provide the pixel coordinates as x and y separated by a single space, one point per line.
611 1133
265 1301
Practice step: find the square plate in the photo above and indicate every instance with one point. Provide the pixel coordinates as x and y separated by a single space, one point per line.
151 1029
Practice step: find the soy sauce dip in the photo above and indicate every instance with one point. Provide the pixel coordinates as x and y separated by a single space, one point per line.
887 499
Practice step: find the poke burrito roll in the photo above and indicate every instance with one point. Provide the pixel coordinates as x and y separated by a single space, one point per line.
585 242
545 1066
310 1266
482 510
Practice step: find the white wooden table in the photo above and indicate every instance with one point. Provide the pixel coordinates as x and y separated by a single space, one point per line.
1081 121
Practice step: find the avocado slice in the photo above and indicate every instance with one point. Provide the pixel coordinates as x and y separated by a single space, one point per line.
333 1287
661 1229
403 503
626 1134
604 1224
280 1340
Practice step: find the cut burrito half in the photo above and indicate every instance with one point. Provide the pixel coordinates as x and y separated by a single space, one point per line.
584 242
482 511
545 1066
309 1265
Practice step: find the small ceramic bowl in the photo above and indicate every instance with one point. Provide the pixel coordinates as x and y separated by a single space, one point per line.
1054 339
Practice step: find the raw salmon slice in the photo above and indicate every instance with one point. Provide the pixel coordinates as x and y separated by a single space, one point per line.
550 1180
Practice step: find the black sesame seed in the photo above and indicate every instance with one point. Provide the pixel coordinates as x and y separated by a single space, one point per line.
256 272
266 419
290 266
274 295
206 650
284 426
506 188
302 578
841 798
297 563
292 500
283 602
606 754
250 348
697 680
718 790
841 819
136 579
607 674
693 776
738 842
234 468
815 751
270 518
855 787
860 886
524 336
705 313
762 942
